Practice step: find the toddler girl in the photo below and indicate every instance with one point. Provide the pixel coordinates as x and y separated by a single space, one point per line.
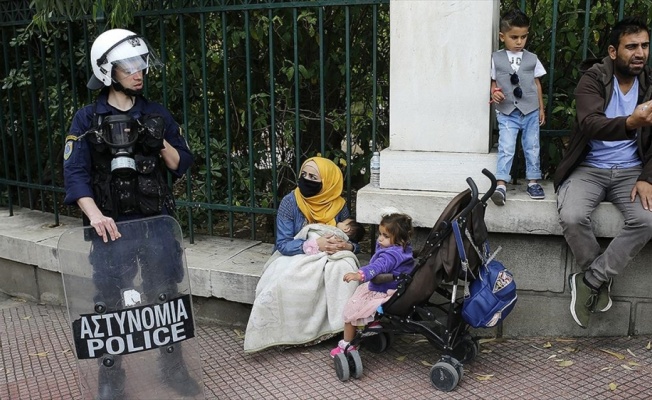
393 255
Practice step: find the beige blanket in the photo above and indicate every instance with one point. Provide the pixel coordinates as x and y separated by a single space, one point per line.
300 298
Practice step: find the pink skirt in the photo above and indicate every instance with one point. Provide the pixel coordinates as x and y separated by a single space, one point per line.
361 307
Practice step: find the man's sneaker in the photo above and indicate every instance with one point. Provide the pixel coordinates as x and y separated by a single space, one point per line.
604 302
535 191
583 299
340 348
499 196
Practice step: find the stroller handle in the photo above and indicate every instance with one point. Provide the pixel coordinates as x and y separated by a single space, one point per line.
474 192
474 198
492 189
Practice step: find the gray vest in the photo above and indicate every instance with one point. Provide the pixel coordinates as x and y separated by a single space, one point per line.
530 100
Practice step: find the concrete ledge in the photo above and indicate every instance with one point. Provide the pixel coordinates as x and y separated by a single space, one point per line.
221 268
520 214
224 273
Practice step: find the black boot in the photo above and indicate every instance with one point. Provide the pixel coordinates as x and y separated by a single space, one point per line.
111 379
174 372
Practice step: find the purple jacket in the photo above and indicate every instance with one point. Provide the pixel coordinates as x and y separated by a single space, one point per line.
389 260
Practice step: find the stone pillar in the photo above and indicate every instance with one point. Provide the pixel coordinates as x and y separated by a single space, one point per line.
440 59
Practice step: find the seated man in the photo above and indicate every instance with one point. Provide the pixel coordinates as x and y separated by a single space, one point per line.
609 158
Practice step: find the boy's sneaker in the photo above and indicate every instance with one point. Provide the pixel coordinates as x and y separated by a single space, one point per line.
340 348
604 302
535 191
499 196
583 299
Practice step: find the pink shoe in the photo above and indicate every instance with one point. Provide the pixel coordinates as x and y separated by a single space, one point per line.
340 348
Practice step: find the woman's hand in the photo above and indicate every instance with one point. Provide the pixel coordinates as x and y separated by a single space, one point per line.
331 244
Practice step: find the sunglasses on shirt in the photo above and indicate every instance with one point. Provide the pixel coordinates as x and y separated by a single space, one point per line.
518 92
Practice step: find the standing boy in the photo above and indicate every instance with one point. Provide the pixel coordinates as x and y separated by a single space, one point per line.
516 92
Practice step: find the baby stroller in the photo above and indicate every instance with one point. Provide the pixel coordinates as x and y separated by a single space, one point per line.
410 309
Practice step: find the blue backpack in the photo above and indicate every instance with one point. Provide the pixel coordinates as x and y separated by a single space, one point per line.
492 296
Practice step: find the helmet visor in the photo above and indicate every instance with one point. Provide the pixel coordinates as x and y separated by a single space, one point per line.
138 63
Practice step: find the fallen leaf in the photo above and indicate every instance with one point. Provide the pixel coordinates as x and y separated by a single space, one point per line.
486 340
420 341
613 353
486 351
632 353
627 367
547 345
606 369
19 300
426 363
482 377
649 345
612 386
572 349
552 356
41 354
240 334
401 358
634 364
566 340
566 363
27 317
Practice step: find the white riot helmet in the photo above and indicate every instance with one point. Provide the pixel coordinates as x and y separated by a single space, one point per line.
122 48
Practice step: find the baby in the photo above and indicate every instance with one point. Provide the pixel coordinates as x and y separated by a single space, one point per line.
349 228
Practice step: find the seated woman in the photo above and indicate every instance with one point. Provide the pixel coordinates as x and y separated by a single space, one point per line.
300 296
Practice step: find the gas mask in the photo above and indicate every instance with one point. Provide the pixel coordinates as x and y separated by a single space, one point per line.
120 133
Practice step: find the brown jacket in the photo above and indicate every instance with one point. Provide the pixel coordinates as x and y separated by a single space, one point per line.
592 95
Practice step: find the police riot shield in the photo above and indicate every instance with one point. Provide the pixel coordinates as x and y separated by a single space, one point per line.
130 312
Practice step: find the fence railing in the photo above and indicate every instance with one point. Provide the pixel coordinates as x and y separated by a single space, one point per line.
257 86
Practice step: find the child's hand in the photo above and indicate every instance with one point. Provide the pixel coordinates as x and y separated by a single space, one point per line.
497 95
351 276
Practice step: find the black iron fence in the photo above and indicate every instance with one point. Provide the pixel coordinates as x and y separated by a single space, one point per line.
257 87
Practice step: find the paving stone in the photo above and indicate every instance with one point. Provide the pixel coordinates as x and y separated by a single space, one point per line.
38 363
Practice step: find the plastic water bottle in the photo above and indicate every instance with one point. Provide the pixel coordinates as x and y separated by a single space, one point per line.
375 170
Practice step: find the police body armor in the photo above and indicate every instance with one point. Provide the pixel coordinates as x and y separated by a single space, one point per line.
128 176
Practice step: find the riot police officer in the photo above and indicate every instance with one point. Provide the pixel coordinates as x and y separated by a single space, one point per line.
116 159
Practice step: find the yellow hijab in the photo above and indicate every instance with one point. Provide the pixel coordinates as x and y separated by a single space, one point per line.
323 207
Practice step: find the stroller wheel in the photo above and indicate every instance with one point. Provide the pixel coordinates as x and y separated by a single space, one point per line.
355 363
342 367
459 367
379 342
444 376
466 350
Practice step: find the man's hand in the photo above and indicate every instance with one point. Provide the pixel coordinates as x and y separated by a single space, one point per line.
105 228
642 116
644 191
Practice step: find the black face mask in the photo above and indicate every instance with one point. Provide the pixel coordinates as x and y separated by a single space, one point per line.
309 188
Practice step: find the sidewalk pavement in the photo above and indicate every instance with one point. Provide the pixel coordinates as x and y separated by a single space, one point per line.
38 362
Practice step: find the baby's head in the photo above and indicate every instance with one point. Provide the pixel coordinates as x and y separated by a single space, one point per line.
353 229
